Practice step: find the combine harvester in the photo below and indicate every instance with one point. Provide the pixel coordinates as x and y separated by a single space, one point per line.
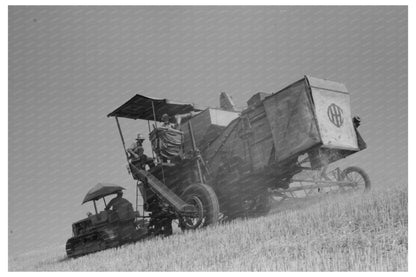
223 164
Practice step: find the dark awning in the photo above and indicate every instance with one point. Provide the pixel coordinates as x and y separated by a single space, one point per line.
140 107
101 190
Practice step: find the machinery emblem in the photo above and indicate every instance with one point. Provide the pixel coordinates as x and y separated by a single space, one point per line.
335 115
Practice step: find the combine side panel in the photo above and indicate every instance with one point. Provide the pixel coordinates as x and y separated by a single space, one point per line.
261 140
227 144
333 114
291 118
207 125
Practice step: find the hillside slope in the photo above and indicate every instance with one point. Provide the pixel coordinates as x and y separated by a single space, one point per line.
341 233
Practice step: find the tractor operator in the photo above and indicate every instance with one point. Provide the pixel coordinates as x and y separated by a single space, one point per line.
118 202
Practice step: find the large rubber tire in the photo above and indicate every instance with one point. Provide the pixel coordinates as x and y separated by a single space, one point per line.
205 200
358 176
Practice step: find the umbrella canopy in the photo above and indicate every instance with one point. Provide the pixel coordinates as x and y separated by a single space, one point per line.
100 190
141 107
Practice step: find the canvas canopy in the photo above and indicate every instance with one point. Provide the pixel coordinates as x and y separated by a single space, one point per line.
141 107
101 190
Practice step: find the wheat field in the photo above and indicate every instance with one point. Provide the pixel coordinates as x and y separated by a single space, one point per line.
338 233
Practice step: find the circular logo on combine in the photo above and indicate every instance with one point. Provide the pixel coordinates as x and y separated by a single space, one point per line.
335 115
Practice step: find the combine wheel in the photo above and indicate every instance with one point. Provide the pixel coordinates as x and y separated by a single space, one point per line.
358 177
204 199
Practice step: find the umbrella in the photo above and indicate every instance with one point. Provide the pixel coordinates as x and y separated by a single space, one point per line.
100 190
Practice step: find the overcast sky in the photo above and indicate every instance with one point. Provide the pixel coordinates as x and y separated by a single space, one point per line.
70 66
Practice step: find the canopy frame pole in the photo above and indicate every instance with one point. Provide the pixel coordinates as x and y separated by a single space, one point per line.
196 151
105 203
153 153
95 207
154 114
137 197
155 125
122 139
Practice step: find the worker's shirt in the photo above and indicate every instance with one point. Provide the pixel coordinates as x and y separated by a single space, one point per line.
116 203
136 148
167 125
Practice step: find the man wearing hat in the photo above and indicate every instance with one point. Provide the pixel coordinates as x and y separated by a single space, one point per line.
136 151
117 202
122 206
166 121
136 154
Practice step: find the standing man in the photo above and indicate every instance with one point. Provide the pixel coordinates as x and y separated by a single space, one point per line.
166 121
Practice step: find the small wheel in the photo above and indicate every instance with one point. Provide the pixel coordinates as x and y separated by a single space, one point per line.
204 199
359 179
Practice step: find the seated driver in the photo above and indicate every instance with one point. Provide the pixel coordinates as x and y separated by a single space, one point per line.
136 149
136 155
120 205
